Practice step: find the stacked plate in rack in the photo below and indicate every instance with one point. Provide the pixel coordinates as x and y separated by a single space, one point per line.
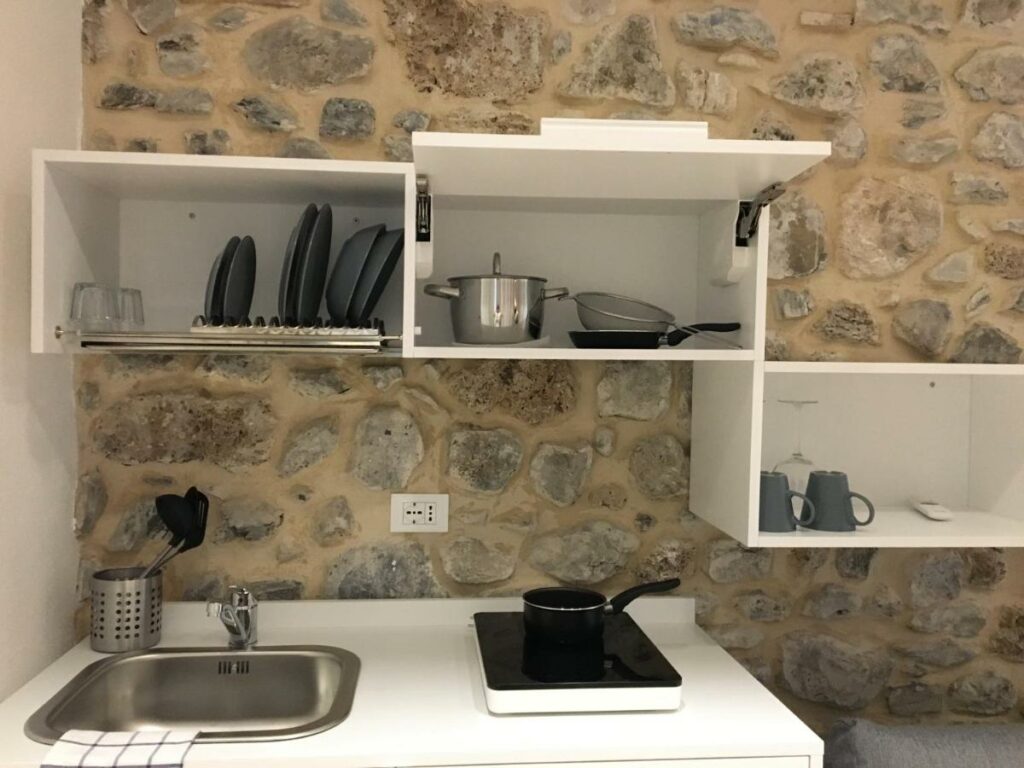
232 281
364 265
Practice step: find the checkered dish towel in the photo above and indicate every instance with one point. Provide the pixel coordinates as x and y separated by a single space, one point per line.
120 749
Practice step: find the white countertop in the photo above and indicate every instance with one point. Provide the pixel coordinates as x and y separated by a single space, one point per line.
420 701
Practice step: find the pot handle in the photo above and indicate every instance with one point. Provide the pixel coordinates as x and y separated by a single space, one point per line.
441 291
621 600
556 293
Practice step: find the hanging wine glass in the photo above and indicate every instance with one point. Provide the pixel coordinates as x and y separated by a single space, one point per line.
797 466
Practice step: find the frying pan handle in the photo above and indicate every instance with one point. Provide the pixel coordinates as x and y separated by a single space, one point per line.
716 327
556 293
672 338
621 600
441 291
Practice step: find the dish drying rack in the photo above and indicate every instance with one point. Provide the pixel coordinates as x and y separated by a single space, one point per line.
260 335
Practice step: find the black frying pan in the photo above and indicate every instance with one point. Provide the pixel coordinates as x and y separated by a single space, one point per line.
644 339
571 616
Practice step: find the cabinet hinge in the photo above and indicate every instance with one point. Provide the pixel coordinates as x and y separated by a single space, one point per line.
750 212
422 210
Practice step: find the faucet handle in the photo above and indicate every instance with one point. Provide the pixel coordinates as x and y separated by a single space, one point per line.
241 597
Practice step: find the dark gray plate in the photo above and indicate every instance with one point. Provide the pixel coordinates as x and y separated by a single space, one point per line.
214 304
312 270
241 281
352 258
378 270
286 274
211 284
287 293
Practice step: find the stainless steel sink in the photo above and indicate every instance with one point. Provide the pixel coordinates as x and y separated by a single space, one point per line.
258 695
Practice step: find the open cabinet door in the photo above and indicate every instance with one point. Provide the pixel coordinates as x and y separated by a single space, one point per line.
726 446
609 159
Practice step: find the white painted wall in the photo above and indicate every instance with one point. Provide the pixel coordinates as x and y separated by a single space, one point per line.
41 99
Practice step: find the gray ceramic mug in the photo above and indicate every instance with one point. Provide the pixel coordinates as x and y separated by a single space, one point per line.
777 514
833 502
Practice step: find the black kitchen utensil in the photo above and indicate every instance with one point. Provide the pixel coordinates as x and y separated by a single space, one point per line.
378 270
644 339
572 616
177 514
189 516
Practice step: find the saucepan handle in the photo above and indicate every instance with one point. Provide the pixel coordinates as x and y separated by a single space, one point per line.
441 291
621 600
556 293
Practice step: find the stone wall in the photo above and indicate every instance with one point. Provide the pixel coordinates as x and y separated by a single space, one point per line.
906 245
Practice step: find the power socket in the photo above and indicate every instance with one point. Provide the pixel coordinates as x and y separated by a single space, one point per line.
419 513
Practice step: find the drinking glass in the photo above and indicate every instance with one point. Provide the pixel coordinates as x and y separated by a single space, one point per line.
132 317
797 466
94 307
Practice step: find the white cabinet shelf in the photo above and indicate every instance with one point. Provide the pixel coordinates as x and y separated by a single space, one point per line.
475 352
895 369
906 528
947 433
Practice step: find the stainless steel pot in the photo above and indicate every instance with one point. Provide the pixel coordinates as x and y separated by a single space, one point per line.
496 308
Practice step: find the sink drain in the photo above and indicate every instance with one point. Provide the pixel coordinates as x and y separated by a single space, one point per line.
232 667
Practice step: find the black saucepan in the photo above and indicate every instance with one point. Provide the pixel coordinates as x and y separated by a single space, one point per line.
570 615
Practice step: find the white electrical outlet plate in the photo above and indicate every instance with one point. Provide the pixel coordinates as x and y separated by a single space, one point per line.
419 513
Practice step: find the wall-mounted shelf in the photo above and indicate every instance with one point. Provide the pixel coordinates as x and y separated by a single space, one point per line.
907 528
474 352
942 432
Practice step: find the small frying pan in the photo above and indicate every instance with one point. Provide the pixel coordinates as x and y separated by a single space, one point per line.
571 616
645 339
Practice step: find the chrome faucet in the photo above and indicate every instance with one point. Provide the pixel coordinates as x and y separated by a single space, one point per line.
238 615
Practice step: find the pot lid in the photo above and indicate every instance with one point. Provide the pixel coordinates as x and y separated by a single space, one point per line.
496 273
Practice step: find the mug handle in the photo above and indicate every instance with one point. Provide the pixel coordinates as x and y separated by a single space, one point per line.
810 517
871 508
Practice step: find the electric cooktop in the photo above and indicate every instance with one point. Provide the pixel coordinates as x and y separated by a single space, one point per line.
623 671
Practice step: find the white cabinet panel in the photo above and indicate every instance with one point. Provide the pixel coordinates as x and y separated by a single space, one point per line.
799 761
596 160
725 437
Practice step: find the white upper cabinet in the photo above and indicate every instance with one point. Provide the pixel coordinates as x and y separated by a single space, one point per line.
655 211
648 210
644 209
157 222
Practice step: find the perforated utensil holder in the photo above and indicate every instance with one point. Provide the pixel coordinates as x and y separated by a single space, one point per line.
127 611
